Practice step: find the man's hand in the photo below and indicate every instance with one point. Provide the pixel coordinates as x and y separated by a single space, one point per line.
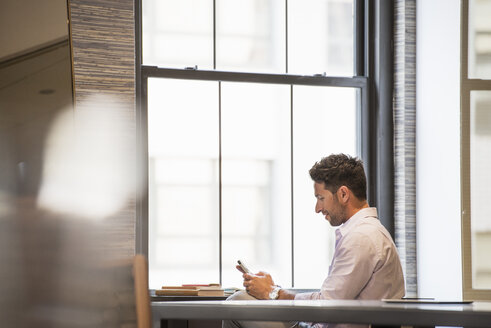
258 285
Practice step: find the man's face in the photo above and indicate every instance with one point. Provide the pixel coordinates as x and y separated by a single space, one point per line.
328 204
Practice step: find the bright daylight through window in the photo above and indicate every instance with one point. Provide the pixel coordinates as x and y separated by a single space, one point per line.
228 160
477 110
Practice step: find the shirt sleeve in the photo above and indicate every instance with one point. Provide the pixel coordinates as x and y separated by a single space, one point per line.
352 267
305 296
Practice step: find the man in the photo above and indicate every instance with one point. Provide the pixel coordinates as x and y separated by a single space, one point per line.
365 265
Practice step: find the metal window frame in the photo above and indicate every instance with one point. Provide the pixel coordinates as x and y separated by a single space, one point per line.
379 151
373 56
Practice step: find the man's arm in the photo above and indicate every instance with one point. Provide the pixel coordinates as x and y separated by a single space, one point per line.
286 295
261 284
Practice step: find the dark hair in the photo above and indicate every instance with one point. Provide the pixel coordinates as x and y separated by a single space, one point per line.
338 170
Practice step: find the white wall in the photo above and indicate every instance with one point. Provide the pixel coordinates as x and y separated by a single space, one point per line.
438 149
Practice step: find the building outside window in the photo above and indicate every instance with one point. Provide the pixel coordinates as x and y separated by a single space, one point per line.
476 150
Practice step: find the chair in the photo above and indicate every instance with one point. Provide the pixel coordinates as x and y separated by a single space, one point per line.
128 302
142 298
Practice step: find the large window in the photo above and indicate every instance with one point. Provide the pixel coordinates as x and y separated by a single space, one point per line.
476 147
239 99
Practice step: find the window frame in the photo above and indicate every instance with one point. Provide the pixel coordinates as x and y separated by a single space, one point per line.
467 85
373 77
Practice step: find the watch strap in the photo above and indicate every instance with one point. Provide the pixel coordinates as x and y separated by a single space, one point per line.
275 293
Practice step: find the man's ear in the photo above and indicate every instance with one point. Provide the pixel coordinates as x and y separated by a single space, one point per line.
343 193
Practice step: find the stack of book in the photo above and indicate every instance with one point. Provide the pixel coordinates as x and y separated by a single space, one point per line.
191 290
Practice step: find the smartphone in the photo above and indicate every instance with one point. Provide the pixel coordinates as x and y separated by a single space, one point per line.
243 267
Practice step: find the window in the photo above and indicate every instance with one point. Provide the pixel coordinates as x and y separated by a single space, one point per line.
239 99
476 150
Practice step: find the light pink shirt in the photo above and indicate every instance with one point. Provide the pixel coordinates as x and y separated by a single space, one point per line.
365 265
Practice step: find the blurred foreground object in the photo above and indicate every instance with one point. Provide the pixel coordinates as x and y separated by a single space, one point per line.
58 246
55 273
88 166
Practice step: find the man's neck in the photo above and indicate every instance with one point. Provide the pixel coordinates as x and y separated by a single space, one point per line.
352 209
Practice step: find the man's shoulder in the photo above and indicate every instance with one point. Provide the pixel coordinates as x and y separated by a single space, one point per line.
369 229
367 224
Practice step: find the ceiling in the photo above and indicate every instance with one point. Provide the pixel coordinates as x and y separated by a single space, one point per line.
35 85
27 25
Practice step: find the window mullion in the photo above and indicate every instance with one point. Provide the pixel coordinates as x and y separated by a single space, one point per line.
220 234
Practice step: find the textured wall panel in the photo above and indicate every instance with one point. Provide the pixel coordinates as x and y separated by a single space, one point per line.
103 50
405 138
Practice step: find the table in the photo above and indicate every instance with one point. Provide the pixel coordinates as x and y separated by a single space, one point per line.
477 314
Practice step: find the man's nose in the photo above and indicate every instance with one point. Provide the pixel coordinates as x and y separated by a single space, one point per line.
318 208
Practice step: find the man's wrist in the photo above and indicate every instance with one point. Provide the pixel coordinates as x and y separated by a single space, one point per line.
285 294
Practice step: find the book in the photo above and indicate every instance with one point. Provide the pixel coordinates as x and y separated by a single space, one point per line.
188 292
191 290
201 285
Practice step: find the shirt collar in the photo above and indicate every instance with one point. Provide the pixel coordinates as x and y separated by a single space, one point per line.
351 222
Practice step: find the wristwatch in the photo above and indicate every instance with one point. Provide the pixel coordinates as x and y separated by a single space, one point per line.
275 293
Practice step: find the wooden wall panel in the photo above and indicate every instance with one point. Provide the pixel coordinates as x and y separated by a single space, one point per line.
103 47
103 52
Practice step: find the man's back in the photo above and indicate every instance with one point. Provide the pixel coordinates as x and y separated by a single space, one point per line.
365 264
387 280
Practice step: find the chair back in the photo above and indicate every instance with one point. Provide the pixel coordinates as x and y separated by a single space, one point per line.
128 299
142 297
